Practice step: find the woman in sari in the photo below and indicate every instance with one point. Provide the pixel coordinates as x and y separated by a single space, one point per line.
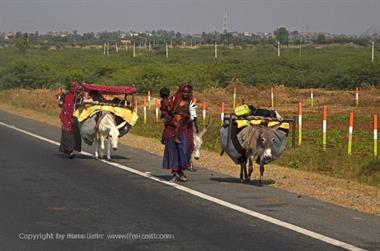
70 137
178 133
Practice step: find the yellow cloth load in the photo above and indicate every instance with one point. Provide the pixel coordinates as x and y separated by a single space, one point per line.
243 122
127 114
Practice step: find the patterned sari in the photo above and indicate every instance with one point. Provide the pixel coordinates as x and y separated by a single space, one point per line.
177 156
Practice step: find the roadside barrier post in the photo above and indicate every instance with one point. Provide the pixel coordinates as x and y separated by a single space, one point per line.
324 127
222 114
300 123
350 130
272 97
375 135
136 106
144 111
357 97
204 113
149 99
311 98
156 106
234 100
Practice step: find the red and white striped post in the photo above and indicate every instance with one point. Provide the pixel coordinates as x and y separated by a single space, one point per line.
149 99
136 106
144 111
375 135
300 122
234 101
156 107
222 114
324 129
311 97
204 113
272 97
357 97
350 131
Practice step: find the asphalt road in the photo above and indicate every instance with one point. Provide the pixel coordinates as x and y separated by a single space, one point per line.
84 204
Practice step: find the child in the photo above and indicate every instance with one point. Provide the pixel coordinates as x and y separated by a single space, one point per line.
169 118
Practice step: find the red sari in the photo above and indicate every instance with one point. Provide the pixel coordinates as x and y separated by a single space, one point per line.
177 156
70 137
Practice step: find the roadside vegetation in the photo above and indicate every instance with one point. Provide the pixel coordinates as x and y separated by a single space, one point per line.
324 66
29 77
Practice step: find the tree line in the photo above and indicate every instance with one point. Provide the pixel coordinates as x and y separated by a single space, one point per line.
160 37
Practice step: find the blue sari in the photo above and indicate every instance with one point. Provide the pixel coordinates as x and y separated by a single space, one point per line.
177 157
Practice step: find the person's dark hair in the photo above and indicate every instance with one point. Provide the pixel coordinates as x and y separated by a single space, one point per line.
95 95
189 86
164 92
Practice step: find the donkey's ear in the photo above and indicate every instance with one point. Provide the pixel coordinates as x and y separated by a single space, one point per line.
121 125
275 127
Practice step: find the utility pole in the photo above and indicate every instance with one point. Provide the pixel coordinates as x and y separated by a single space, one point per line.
373 51
278 48
216 51
134 49
166 48
300 46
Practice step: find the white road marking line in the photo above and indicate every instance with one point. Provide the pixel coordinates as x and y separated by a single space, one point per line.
204 196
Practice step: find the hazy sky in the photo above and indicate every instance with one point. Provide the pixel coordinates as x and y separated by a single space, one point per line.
192 16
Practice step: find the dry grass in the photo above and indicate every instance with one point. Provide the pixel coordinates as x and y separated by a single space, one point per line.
338 191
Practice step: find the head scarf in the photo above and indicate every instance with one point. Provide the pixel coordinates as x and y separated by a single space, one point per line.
178 96
75 87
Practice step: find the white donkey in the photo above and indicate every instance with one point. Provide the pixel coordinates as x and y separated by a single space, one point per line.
198 141
107 129
197 137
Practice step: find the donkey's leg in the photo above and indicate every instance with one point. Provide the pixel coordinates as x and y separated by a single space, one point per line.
96 147
261 172
250 167
109 148
101 146
242 168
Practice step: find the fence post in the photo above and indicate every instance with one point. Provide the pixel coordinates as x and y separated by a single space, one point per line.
350 130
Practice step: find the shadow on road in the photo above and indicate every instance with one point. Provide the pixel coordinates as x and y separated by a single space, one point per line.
237 180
